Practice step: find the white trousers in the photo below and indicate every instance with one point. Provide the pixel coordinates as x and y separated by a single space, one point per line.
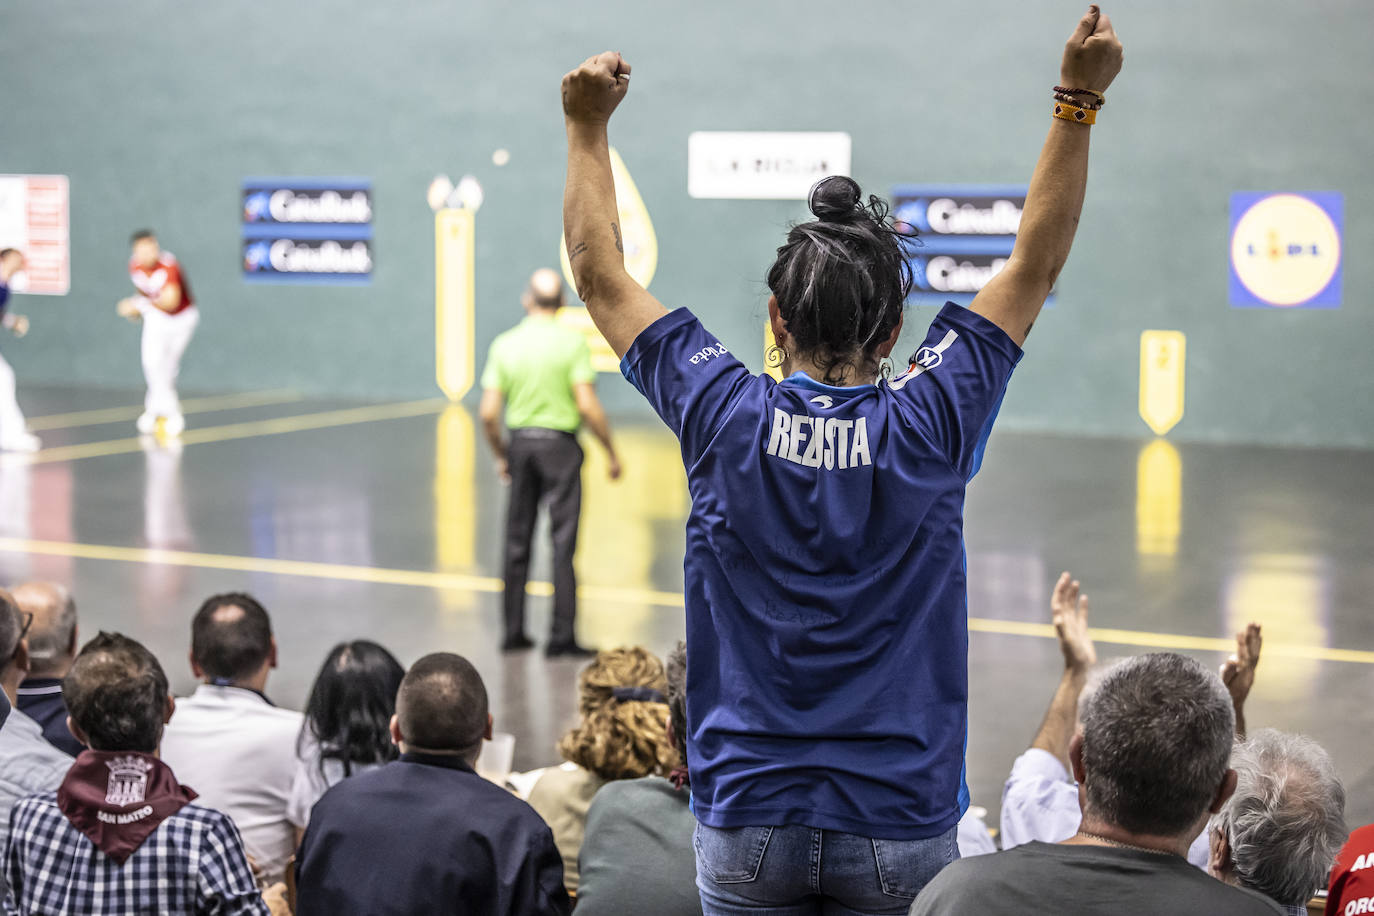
11 417
164 340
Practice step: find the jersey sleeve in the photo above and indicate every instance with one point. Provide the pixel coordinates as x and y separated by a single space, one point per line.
581 370
955 383
688 377
492 376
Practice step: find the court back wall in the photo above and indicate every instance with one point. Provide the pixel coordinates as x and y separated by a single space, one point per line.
157 111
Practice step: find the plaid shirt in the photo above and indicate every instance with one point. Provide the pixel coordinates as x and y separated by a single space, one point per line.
192 863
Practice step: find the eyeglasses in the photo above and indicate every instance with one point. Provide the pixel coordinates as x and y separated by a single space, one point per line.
27 617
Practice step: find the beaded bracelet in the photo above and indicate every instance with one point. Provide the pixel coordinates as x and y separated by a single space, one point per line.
1071 100
1066 112
1101 99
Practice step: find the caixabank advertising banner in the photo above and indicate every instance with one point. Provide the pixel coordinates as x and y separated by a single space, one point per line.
307 230
964 236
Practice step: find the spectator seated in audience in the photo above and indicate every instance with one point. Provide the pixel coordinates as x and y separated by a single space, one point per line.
1352 879
28 763
623 734
228 740
52 646
1280 832
637 855
1151 763
1040 800
425 833
347 726
122 836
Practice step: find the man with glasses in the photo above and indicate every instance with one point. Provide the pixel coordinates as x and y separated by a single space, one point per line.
28 763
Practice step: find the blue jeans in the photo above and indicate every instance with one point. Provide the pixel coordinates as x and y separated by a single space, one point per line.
802 871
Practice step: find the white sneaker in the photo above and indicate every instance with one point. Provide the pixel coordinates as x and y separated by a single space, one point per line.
23 442
147 423
174 425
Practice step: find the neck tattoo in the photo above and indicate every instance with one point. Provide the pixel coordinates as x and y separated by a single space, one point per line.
1110 842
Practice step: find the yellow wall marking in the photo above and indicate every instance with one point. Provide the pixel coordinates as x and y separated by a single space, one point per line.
454 301
673 600
1162 355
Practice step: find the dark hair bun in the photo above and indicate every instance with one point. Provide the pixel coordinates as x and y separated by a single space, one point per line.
835 199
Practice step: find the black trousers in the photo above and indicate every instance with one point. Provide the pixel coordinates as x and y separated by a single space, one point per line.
545 466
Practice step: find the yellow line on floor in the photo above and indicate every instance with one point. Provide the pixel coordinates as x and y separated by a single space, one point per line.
188 406
250 429
460 581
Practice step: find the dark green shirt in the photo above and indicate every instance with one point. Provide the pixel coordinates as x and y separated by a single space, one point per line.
637 854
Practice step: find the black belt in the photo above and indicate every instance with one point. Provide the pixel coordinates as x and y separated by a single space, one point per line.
541 432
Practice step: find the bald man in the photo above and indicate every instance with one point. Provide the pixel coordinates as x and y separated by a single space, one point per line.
52 649
539 375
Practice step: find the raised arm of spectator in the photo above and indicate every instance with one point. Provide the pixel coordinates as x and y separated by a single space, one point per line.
1238 672
1013 298
620 307
1070 609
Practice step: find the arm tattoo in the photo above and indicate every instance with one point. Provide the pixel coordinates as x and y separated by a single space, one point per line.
618 246
577 249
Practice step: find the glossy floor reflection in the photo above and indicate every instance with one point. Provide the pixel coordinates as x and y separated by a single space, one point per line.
385 523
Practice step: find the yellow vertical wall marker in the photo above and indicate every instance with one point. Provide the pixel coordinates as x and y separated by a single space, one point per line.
768 343
455 503
1162 356
1158 499
454 300
641 260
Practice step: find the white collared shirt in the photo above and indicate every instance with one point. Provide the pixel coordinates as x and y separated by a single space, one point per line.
238 752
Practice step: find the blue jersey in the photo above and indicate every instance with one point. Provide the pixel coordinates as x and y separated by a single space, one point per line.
827 608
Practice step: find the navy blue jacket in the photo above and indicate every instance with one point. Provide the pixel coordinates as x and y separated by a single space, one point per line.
425 834
40 698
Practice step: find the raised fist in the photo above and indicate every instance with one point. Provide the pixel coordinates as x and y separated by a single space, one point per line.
593 90
1092 55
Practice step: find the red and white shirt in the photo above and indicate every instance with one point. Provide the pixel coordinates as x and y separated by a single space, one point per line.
151 281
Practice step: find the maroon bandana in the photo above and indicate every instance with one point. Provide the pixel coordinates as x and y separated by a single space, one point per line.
117 798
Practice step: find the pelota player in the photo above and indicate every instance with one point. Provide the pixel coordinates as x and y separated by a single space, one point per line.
169 316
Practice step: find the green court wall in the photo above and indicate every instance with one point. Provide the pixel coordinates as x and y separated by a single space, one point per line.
157 111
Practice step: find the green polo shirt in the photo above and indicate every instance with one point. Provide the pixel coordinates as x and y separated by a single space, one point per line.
535 365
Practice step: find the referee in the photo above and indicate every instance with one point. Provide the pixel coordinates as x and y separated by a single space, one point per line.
539 373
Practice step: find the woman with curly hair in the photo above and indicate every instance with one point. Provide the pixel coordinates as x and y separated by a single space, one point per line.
623 734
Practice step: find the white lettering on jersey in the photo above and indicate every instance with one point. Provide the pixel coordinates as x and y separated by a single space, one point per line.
816 442
1363 862
707 353
926 358
1360 905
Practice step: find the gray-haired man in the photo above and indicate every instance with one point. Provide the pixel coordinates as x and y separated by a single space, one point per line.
1280 832
52 649
1151 763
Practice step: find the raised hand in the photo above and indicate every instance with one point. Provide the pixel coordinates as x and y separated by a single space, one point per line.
592 91
1070 609
1092 55
1238 671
